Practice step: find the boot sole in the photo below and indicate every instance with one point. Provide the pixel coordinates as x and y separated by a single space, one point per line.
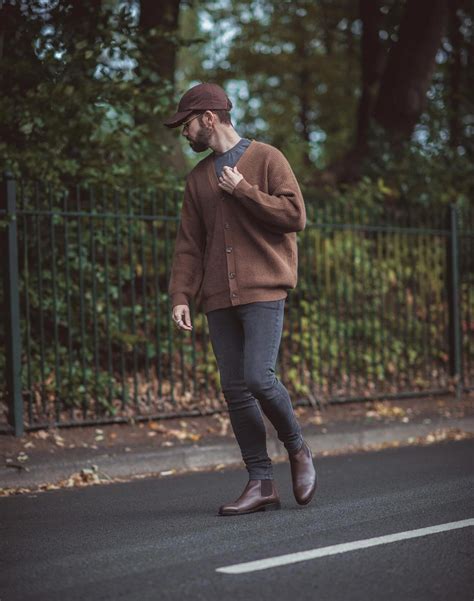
267 507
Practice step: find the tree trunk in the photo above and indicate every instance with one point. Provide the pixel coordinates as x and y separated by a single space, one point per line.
303 84
328 26
455 70
410 66
394 87
373 61
163 16
162 49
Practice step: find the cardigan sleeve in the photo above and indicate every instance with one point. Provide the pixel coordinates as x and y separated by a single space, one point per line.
187 265
283 210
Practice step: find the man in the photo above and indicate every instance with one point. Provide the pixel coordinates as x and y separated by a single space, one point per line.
236 253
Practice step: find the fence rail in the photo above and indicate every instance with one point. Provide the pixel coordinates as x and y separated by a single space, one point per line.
384 308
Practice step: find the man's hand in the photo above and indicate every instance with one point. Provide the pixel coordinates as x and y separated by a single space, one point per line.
230 177
178 312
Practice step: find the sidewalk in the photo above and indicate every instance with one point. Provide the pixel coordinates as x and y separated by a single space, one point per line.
65 457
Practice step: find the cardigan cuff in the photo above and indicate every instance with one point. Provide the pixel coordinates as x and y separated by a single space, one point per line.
242 188
179 298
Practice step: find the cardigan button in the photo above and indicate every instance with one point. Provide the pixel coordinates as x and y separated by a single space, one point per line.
232 275
227 225
229 249
234 294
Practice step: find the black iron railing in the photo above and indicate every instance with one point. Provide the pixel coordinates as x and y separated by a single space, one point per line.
384 308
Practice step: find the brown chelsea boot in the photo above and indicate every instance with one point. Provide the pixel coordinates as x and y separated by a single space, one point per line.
258 495
303 474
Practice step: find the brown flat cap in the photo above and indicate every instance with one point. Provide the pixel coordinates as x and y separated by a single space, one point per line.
202 97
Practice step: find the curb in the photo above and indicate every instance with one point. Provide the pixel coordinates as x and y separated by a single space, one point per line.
121 464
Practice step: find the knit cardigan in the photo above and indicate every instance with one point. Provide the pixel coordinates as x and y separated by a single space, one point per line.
238 248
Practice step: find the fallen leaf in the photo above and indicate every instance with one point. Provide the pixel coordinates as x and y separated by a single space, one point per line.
167 472
156 426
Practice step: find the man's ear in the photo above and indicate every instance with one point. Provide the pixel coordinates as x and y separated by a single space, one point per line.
208 114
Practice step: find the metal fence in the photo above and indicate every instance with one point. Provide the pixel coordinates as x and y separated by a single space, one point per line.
384 308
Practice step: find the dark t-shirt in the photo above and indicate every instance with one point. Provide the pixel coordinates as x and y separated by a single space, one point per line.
231 156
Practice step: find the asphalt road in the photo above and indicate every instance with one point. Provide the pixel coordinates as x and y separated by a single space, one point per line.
162 539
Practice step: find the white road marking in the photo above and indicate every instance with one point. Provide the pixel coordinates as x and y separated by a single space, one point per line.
281 560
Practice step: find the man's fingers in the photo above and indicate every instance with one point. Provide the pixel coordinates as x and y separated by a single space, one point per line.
187 317
182 312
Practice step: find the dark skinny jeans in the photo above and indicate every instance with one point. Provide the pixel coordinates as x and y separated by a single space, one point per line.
245 340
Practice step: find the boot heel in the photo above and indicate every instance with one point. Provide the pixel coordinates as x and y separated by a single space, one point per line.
272 506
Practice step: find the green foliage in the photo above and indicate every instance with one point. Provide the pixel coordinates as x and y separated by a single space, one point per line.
76 107
369 312
294 71
421 171
371 309
85 104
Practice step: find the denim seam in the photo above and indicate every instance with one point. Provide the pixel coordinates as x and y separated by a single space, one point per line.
275 334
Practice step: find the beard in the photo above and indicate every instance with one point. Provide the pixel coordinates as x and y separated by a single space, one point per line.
201 142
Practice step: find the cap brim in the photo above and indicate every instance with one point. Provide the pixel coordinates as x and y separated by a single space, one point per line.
178 118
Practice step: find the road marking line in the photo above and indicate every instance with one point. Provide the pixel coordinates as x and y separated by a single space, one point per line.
281 560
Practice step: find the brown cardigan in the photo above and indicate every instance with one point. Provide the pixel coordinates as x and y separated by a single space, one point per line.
238 248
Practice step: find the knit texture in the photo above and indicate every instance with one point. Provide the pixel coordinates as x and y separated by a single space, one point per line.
238 248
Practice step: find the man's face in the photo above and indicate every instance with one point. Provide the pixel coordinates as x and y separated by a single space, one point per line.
197 135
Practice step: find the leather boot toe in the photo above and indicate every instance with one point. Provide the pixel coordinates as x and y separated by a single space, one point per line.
303 474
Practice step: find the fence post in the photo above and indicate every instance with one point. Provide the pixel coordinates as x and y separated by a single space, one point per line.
11 305
455 346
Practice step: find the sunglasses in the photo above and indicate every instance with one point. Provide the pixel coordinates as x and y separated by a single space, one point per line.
186 123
